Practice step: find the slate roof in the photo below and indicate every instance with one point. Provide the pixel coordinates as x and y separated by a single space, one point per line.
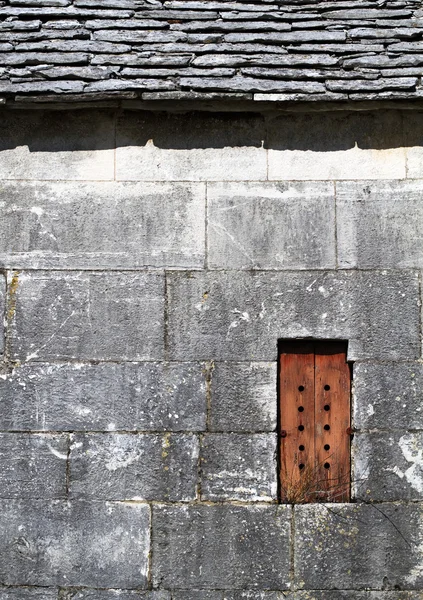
276 50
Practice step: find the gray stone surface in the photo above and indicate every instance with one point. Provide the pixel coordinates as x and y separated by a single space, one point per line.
200 147
117 225
2 309
221 547
352 595
74 544
374 229
101 397
21 593
388 395
227 595
243 397
360 146
87 594
239 467
44 145
33 465
223 316
359 546
86 315
262 225
134 467
388 466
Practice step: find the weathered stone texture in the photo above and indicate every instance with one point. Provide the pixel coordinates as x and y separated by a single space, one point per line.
388 396
223 547
359 546
388 466
88 316
360 146
375 229
74 544
243 397
134 467
198 147
261 225
33 465
87 594
21 593
239 467
2 309
44 145
105 396
118 225
241 315
352 595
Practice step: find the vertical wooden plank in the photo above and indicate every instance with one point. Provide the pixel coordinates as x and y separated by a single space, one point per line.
296 413
332 422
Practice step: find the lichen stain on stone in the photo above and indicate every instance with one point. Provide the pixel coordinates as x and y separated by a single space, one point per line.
165 445
13 288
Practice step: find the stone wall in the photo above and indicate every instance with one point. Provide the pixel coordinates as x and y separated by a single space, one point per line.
150 262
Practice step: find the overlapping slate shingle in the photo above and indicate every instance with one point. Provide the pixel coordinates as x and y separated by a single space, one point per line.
178 49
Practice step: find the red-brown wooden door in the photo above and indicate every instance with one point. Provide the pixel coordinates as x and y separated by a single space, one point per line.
314 422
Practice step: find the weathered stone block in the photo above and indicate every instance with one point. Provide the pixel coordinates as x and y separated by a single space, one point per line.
239 467
352 595
87 594
221 547
119 225
360 146
134 467
414 143
33 465
227 316
21 593
389 394
74 544
104 316
53 145
262 225
356 546
226 595
388 466
105 396
2 310
198 147
243 397
379 224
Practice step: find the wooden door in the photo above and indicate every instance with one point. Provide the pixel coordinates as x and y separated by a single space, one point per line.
314 422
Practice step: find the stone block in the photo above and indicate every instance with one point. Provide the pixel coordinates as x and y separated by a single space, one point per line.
194 147
53 145
240 316
379 224
107 396
33 465
74 544
221 547
413 122
226 595
389 394
262 226
134 467
97 315
239 467
352 595
388 466
21 593
359 546
337 146
243 397
2 309
87 594
97 225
